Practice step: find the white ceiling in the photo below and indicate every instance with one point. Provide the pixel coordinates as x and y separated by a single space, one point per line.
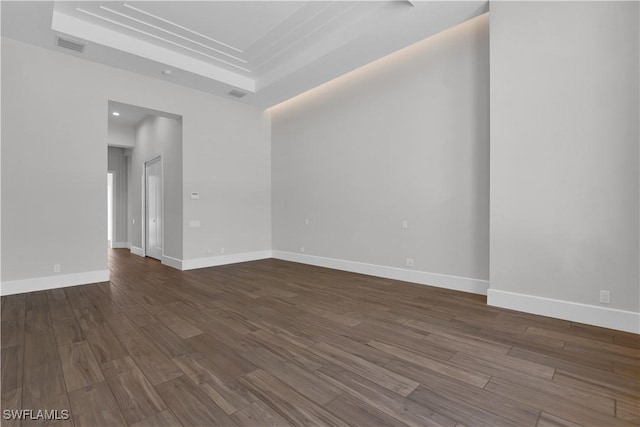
131 115
270 50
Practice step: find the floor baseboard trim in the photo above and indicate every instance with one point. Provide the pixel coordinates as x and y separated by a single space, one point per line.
457 283
172 262
136 251
120 245
53 282
192 264
627 321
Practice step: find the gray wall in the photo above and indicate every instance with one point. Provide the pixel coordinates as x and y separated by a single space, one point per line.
53 174
232 172
159 136
120 135
564 150
117 163
404 138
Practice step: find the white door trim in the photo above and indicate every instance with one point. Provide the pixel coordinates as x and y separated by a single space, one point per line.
144 204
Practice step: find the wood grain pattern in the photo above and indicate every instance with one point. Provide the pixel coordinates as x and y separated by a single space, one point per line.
224 390
259 414
67 331
377 374
392 404
135 395
161 419
104 344
465 395
273 343
79 366
95 406
466 375
11 400
190 405
357 413
286 401
305 382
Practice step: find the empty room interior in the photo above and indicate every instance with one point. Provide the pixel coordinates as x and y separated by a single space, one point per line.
320 213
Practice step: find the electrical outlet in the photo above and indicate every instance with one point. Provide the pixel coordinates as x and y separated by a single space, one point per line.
302 249
56 268
405 224
209 251
409 262
221 250
605 297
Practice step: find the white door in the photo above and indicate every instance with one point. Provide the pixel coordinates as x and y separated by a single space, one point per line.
153 208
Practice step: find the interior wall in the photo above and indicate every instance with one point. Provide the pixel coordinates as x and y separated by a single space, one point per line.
58 215
564 152
404 138
159 137
117 163
121 135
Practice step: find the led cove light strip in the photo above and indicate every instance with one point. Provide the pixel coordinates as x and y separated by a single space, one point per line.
160 38
181 27
115 12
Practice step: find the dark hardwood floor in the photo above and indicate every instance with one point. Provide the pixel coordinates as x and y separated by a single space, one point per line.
273 343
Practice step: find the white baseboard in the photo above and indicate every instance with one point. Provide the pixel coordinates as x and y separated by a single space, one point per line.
457 283
605 317
52 282
191 264
172 262
136 251
120 245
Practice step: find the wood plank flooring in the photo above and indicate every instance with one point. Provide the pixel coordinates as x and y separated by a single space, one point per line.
273 343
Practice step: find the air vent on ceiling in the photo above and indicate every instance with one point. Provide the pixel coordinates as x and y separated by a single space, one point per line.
237 93
70 44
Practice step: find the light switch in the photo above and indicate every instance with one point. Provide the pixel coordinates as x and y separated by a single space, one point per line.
195 195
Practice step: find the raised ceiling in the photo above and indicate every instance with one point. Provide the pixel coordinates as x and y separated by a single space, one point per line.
268 50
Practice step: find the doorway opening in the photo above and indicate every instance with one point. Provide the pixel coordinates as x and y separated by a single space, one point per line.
145 154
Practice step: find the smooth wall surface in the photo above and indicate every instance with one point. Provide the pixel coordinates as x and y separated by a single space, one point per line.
53 174
564 151
404 138
120 135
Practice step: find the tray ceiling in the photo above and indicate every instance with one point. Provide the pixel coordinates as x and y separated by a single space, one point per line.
270 50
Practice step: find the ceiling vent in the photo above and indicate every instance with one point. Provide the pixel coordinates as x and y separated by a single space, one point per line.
237 93
71 44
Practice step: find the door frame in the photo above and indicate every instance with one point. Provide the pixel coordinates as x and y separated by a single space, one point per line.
144 204
113 206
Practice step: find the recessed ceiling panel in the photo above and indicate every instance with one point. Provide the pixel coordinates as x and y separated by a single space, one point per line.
269 50
235 24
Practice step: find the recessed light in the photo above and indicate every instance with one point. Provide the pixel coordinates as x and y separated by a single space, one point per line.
115 113
166 72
